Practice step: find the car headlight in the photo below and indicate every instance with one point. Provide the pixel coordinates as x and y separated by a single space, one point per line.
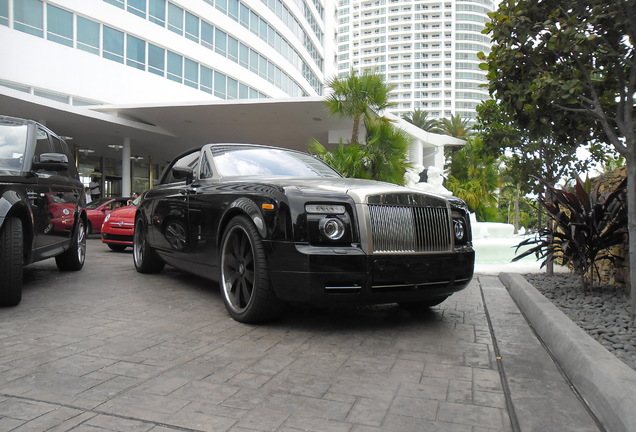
332 228
459 229
106 218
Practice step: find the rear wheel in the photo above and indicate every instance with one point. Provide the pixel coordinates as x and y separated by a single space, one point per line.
145 258
11 262
73 259
245 285
117 247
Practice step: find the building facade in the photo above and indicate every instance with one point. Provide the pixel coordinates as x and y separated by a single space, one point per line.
427 49
100 53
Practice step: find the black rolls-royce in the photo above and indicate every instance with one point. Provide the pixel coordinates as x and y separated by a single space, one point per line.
274 226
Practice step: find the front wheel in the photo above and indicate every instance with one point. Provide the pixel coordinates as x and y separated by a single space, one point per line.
11 262
73 259
245 285
145 258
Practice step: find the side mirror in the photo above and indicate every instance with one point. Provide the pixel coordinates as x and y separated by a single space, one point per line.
183 173
50 162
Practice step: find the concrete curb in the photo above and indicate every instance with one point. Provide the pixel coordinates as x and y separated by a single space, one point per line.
606 384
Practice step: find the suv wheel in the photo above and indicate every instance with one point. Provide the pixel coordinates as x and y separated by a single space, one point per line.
11 256
73 259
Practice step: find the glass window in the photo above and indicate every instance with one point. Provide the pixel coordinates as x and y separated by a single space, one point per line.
244 56
253 61
192 27
221 5
253 22
206 79
157 12
232 88
27 16
118 3
191 75
207 35
87 35
113 44
219 84
156 59
232 48
135 52
220 41
175 19
262 29
59 25
175 67
245 16
233 9
137 7
4 12
206 170
244 91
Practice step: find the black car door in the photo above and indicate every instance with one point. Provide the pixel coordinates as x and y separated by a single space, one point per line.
169 218
55 199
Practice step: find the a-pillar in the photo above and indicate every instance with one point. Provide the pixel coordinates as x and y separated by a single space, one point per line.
125 168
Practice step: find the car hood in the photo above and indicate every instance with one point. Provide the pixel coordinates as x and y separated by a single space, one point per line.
357 189
123 212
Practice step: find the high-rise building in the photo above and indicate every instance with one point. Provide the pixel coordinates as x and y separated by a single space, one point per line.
427 49
136 51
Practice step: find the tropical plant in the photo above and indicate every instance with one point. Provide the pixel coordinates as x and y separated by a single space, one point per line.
568 68
474 177
585 226
358 96
455 126
420 119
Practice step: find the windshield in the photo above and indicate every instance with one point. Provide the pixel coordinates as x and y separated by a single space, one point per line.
13 138
268 162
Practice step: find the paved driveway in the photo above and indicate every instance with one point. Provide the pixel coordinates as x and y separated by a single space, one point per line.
109 349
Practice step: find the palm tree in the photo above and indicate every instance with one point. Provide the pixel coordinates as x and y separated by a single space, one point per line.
420 119
456 126
357 96
386 151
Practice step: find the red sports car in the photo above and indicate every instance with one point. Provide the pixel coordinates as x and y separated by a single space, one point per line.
98 209
119 227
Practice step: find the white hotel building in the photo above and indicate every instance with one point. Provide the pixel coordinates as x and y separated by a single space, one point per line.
134 82
426 48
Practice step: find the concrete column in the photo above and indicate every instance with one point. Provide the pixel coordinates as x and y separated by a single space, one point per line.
125 168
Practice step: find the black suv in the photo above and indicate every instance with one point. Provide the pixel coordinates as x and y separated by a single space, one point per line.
41 204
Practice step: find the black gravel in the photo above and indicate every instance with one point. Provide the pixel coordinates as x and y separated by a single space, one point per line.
603 312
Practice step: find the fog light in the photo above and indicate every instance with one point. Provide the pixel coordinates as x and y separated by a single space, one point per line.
332 228
460 229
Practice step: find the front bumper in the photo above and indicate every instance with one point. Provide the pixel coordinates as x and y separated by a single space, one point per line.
318 275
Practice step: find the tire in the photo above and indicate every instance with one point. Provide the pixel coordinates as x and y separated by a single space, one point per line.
11 262
145 258
421 305
117 247
245 285
73 259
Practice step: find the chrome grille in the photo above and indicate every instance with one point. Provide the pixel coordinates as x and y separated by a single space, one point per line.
410 229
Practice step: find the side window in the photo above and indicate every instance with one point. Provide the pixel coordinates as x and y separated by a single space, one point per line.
191 160
206 169
42 143
60 147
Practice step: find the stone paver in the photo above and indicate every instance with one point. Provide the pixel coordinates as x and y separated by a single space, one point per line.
109 349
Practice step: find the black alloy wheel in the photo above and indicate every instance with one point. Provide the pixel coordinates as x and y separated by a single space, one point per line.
245 285
145 258
73 259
